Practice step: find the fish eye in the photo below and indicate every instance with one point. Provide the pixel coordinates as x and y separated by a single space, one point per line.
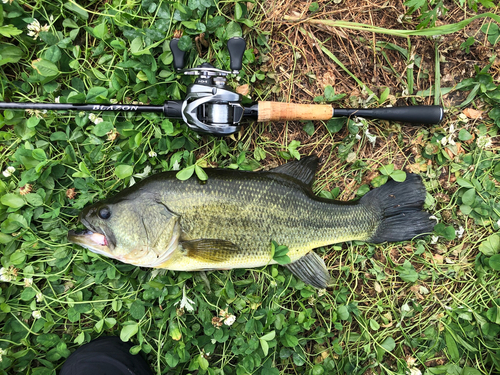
104 213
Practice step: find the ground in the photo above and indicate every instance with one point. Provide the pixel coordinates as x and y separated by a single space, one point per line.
424 306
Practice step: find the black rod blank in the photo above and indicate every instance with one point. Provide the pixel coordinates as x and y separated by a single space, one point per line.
171 108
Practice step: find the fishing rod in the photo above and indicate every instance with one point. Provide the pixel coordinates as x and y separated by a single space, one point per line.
212 107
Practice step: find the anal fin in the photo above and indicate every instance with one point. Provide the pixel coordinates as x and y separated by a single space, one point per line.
210 250
311 269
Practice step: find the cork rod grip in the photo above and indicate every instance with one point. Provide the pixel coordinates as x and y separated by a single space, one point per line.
276 111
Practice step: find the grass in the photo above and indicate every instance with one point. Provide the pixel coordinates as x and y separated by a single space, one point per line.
429 306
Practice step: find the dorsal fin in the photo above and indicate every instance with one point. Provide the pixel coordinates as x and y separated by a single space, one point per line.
303 170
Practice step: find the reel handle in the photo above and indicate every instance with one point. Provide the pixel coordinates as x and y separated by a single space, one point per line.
236 47
179 55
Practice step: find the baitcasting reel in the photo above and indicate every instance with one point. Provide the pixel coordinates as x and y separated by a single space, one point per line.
210 106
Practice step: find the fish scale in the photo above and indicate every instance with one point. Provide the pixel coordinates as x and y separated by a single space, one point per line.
252 210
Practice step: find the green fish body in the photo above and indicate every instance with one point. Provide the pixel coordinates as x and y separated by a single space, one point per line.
230 220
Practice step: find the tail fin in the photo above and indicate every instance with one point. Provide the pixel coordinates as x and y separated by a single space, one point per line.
399 205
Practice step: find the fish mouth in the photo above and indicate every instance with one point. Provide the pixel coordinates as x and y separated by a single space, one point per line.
94 239
88 236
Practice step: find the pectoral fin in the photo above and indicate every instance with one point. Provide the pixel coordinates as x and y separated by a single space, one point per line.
311 269
209 250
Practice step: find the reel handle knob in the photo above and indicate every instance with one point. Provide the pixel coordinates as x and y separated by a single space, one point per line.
179 55
236 47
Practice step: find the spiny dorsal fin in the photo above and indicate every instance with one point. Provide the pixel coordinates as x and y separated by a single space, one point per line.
303 170
311 269
210 250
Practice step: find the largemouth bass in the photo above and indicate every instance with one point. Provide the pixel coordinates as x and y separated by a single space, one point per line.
230 220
